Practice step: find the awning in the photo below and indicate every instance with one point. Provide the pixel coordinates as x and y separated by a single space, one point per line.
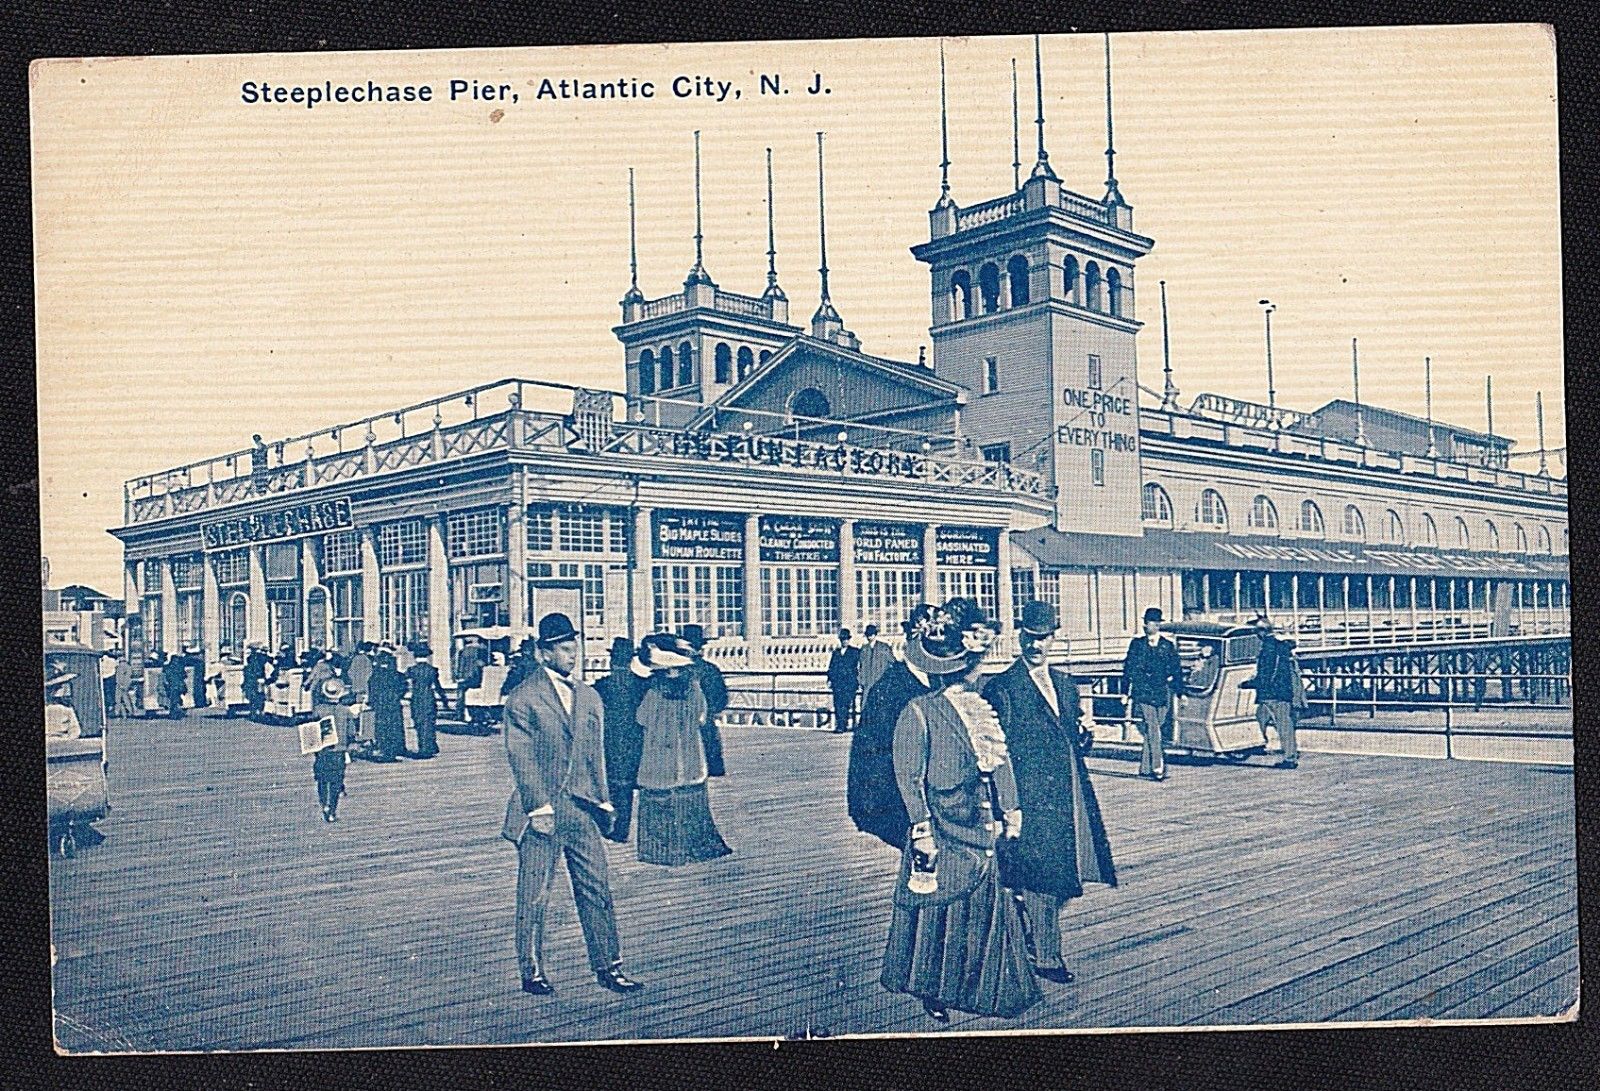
1170 549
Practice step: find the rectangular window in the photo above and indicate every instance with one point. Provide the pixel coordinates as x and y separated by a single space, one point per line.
1022 590
403 606
618 532
583 531
341 552
991 375
403 543
541 530
345 607
283 562
233 567
150 611
978 584
800 600
478 595
710 595
480 533
191 631
152 577
187 573
996 452
1096 375
1097 466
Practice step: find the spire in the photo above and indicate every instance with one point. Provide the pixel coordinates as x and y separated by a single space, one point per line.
1041 169
1488 403
944 138
1538 404
1113 194
1355 372
634 294
1427 383
1016 131
698 274
773 291
826 322
1169 392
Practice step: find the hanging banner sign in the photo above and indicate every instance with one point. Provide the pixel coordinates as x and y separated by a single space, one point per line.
799 539
315 517
697 535
967 547
888 543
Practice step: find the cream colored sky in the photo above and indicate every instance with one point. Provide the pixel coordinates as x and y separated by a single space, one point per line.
208 269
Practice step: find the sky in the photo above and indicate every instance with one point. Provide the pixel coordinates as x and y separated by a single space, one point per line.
207 268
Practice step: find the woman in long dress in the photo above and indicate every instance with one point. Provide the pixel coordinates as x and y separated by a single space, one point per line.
675 824
955 940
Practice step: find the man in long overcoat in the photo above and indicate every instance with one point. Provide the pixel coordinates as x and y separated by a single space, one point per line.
871 791
554 729
844 680
1063 843
876 657
256 666
714 688
1279 693
620 692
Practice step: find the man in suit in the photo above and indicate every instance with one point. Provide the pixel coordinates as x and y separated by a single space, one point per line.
620 692
555 743
1277 684
843 680
1063 844
875 659
1154 675
714 688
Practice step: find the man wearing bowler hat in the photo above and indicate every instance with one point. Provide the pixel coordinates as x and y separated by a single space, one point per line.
1063 843
1154 675
555 743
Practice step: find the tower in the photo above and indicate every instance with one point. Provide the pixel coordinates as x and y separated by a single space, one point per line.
1033 311
683 350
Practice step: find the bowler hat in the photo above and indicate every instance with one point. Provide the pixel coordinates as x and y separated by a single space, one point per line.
695 635
1039 618
1153 614
555 629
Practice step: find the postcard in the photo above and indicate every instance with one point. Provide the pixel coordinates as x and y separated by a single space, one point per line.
988 535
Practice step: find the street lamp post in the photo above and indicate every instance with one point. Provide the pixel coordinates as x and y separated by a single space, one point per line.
1272 392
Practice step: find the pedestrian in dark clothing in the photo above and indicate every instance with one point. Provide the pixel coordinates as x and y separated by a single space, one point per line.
1279 691
714 688
385 689
422 682
620 691
876 657
1154 676
872 793
521 667
174 684
327 764
469 671
1063 844
255 680
843 680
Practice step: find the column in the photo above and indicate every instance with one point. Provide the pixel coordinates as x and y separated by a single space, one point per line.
847 575
1294 601
372 591
311 576
439 621
1413 600
755 608
930 563
257 613
1266 593
517 561
1005 608
130 603
211 611
641 597
169 608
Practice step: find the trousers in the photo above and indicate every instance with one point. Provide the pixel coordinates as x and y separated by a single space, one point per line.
1153 721
843 706
578 839
1281 716
1043 914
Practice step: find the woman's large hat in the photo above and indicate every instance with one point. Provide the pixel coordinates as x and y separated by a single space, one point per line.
948 640
664 651
333 689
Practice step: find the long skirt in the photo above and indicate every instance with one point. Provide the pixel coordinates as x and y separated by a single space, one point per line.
969 954
675 826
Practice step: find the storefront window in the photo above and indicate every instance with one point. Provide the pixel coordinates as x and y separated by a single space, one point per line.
232 566
191 629
341 552
152 577
478 533
403 606
150 611
478 595
800 600
187 574
711 595
978 584
886 596
344 603
235 623
405 542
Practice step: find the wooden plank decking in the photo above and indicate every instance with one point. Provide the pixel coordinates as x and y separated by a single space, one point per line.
221 913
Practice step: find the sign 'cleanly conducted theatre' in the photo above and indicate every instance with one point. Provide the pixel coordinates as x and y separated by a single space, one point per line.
315 517
698 535
799 539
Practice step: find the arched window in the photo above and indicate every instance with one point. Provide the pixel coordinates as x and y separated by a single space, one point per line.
723 363
1544 540
1070 275
960 295
766 354
1397 528
1114 291
1493 541
809 402
1522 538
989 288
1211 511
1263 516
1354 526
1311 519
1430 531
747 361
1156 505
685 364
1091 287
647 372
1017 274
1463 538
668 374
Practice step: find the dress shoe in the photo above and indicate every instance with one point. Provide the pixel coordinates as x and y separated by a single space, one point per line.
614 979
537 985
1287 763
936 1012
1059 974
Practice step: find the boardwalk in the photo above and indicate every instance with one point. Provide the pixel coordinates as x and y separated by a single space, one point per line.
221 913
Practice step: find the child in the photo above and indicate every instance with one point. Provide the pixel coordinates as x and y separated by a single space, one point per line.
329 762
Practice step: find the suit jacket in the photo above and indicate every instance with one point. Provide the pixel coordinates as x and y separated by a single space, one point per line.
1275 670
714 688
553 753
1154 675
842 676
1063 843
875 658
620 695
872 794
